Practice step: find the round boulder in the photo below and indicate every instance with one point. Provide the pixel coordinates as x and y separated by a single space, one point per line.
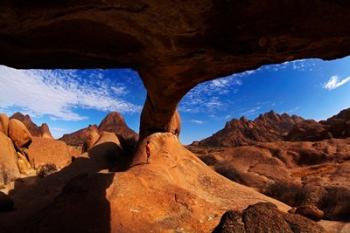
19 134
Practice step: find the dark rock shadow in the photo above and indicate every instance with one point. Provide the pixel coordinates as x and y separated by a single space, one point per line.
70 200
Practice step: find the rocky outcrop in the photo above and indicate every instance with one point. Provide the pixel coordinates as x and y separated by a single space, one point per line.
19 134
187 45
271 127
77 138
175 191
297 173
338 126
92 136
14 142
114 123
8 160
268 127
45 131
44 151
265 217
309 130
36 131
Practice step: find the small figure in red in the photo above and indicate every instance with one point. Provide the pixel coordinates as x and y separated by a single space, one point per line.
148 151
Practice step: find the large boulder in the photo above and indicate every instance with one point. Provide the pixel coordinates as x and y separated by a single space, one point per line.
4 123
265 217
109 150
92 137
19 134
8 160
44 151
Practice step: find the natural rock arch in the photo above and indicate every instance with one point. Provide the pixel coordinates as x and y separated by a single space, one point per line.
173 44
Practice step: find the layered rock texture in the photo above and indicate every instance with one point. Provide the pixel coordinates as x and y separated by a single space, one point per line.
36 131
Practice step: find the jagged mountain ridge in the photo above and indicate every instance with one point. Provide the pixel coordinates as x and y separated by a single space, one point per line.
267 127
271 126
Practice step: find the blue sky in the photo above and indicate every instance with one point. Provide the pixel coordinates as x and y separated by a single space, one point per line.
72 99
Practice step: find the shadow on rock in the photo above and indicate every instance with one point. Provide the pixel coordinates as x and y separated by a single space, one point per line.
70 200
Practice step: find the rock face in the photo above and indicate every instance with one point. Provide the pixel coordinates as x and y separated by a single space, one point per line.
77 138
309 130
36 131
175 192
297 173
44 151
271 127
45 131
338 126
268 127
8 160
4 123
19 134
92 137
265 217
188 44
113 122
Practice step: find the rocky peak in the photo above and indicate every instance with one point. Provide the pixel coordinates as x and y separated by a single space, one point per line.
34 129
343 115
112 120
45 131
267 127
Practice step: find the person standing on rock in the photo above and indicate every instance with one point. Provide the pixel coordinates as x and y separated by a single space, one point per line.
148 151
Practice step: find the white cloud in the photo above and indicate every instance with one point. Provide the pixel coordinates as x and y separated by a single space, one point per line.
57 93
251 111
57 132
119 90
206 96
199 122
335 82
